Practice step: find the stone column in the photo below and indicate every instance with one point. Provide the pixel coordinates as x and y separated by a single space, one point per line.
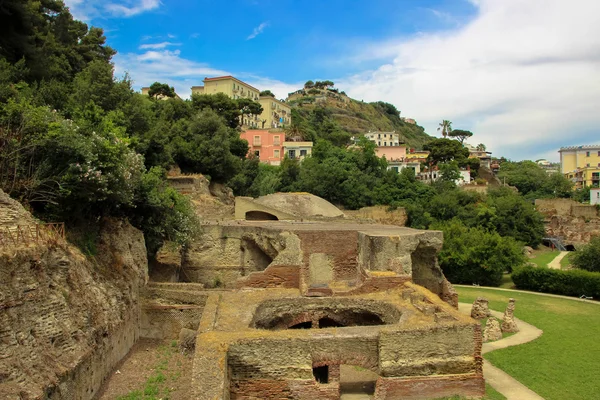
508 321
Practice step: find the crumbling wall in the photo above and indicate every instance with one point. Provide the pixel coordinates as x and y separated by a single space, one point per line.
66 320
380 214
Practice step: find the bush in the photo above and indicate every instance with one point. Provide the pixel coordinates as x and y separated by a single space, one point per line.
588 257
475 255
568 283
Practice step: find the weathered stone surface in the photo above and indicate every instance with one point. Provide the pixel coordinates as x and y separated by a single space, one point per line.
187 339
492 331
65 321
508 321
12 212
480 309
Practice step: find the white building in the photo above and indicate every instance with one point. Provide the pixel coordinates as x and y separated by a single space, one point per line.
384 139
595 196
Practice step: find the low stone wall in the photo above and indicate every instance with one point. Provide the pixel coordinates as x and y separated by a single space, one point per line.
380 214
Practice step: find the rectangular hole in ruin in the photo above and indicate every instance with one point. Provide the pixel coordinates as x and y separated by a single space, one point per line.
321 374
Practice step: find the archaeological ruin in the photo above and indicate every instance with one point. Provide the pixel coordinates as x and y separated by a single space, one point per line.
292 300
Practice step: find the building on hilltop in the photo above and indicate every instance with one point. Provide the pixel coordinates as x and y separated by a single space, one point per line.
276 113
235 89
265 144
384 139
581 164
485 157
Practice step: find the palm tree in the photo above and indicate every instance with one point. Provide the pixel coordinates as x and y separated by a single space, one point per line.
445 127
481 147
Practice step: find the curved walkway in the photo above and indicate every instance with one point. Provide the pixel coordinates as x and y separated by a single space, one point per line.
498 379
555 263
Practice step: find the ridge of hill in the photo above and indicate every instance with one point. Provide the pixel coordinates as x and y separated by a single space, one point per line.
329 106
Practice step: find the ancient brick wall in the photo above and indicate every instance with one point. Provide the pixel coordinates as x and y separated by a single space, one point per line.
429 387
339 247
66 321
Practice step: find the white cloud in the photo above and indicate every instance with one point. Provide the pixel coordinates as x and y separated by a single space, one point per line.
279 89
523 76
86 10
257 31
156 46
132 7
164 66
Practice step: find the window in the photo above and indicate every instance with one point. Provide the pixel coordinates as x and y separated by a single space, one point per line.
587 153
292 154
303 153
395 169
256 141
599 154
276 140
257 153
587 165
385 143
275 153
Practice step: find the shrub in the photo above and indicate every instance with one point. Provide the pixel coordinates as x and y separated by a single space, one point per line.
475 255
568 283
588 257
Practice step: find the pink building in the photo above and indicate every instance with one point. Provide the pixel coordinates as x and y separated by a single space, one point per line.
391 153
267 145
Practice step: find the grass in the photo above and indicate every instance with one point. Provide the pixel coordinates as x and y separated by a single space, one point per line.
563 362
542 258
565 262
507 282
155 387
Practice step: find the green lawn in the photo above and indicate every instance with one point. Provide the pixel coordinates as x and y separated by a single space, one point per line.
542 258
507 282
561 364
565 262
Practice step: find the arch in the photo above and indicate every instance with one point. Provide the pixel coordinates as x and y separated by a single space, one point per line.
260 216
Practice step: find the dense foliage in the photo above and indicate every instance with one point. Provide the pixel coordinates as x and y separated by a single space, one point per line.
568 283
69 130
588 256
533 181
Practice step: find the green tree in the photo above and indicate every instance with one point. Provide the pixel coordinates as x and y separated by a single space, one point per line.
476 256
446 150
249 107
309 85
267 93
158 89
588 256
481 147
445 127
223 105
460 135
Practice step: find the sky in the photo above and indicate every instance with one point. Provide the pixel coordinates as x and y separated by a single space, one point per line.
522 75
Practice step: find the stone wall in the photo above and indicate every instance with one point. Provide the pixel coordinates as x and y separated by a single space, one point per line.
380 214
573 222
65 320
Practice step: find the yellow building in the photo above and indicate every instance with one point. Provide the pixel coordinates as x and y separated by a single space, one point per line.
581 164
276 113
233 88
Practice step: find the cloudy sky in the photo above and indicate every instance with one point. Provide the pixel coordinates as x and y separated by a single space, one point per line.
524 76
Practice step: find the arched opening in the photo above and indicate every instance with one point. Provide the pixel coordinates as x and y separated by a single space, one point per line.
260 216
329 323
570 247
302 325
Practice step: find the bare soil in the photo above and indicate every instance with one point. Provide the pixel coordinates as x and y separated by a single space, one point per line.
153 369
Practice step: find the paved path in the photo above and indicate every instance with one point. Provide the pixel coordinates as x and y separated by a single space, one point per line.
555 264
498 379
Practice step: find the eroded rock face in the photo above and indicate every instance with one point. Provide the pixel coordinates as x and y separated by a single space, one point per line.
480 309
508 321
573 230
12 212
65 320
492 331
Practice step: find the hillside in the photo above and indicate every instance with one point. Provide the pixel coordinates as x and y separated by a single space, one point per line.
327 107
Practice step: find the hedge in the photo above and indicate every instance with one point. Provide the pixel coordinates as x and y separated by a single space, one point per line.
569 283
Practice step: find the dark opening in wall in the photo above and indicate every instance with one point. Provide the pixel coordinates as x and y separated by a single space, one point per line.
328 323
302 325
330 313
260 216
321 374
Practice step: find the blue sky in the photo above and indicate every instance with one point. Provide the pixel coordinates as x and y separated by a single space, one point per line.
523 76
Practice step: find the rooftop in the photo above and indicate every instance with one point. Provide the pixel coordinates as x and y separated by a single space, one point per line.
226 77
582 147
